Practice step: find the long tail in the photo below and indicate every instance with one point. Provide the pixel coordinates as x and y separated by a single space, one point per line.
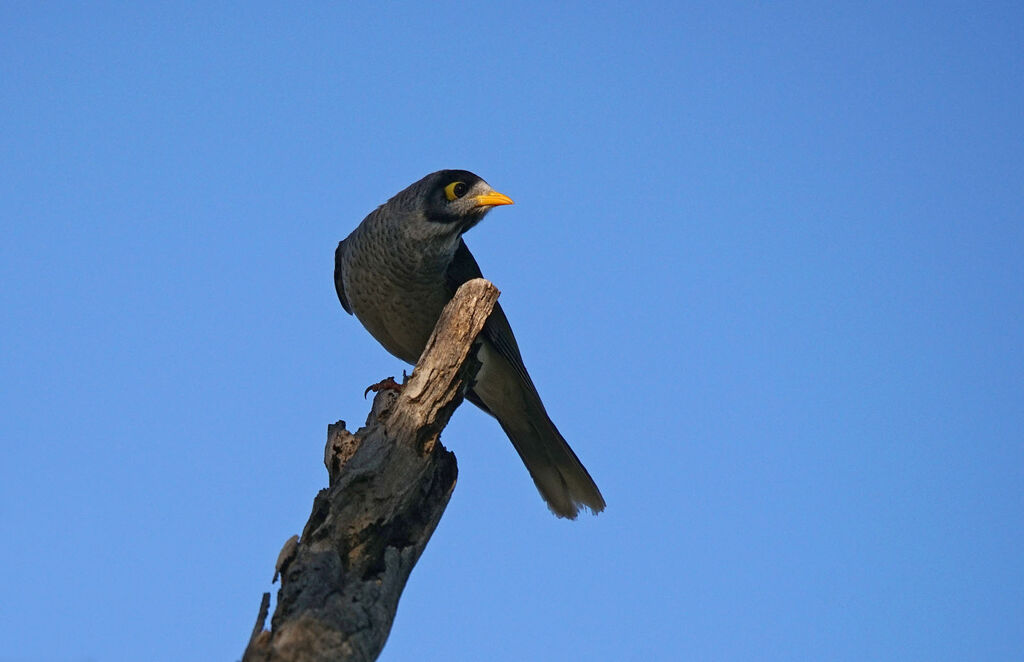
560 477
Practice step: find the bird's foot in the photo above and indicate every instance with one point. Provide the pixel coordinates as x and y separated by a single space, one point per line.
388 384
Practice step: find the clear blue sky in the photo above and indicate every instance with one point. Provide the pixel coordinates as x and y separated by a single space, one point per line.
766 265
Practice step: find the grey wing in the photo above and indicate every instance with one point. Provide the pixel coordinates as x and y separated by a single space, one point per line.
497 329
339 284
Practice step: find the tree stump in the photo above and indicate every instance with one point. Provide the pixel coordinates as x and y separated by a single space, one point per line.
389 483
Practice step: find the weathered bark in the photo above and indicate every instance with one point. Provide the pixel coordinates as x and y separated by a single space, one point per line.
389 485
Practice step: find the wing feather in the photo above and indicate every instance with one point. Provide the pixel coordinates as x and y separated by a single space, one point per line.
339 283
497 329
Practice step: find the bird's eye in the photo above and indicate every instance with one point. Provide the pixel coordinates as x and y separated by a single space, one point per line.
455 190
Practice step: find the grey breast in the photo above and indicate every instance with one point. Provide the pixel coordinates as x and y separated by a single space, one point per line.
394 291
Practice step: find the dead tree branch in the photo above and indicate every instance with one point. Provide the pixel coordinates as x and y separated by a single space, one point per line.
389 485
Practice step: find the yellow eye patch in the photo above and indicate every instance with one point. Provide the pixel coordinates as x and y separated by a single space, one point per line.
455 190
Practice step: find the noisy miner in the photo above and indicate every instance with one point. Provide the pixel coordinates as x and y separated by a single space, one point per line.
396 272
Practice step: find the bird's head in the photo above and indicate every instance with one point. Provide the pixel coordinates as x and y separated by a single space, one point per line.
453 200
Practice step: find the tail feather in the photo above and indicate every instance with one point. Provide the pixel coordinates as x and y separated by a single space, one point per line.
560 477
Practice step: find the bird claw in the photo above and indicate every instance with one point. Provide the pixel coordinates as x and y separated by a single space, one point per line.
388 384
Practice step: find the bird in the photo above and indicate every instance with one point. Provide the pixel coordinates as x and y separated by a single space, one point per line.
396 271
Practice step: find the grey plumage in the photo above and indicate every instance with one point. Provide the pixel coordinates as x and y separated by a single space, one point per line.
396 271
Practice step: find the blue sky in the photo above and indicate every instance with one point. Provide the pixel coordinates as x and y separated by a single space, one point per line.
766 266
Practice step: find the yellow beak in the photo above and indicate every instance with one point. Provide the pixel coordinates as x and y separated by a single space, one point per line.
492 199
